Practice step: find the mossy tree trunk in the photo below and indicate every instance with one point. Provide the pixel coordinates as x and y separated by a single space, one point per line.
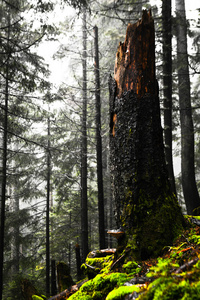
145 206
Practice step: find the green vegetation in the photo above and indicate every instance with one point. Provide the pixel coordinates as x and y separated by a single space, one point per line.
100 286
174 275
35 297
131 267
121 292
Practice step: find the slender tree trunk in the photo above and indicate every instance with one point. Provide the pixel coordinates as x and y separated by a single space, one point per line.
4 167
145 206
99 143
16 242
167 87
53 277
84 200
190 191
47 215
78 262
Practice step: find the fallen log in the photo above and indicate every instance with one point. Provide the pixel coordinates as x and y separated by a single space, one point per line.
101 253
187 265
68 292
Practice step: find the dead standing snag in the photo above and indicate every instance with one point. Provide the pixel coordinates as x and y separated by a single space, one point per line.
145 207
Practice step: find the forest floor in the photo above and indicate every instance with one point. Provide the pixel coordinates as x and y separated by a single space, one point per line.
173 275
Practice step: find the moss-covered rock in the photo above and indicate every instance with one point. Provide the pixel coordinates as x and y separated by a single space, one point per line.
93 266
131 267
121 292
99 287
35 297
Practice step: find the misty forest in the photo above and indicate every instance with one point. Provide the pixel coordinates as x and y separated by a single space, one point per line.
99 149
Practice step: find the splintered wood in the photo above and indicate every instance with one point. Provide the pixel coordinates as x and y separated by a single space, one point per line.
135 59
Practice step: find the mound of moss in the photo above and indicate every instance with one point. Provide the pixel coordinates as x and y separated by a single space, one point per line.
174 275
99 287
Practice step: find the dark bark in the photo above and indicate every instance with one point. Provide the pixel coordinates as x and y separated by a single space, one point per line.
190 191
63 277
4 165
78 262
99 144
84 200
145 206
28 289
47 215
167 87
16 234
53 277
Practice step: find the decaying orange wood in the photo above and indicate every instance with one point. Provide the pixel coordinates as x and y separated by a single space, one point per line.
114 123
132 72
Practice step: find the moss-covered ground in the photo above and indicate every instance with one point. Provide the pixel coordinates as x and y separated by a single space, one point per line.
173 275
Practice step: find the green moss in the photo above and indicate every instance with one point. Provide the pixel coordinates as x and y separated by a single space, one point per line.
35 297
81 296
101 264
168 289
121 292
194 238
100 286
162 268
131 267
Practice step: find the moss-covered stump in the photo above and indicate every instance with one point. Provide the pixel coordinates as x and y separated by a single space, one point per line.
29 291
63 276
98 262
145 207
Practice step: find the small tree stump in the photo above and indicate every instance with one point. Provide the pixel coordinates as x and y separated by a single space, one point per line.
63 276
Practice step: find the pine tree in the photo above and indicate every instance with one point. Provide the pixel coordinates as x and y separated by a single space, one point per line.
84 200
20 71
190 191
99 144
167 87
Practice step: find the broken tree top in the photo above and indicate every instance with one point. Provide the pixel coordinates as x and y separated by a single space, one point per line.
135 59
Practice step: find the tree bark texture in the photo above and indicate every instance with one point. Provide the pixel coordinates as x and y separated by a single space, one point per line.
190 191
145 206
167 87
78 262
4 165
53 277
102 242
28 289
47 213
84 200
63 276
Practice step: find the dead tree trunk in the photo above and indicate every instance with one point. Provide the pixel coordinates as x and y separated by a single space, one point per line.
145 206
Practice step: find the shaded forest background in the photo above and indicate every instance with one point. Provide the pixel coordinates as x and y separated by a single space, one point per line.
52 191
